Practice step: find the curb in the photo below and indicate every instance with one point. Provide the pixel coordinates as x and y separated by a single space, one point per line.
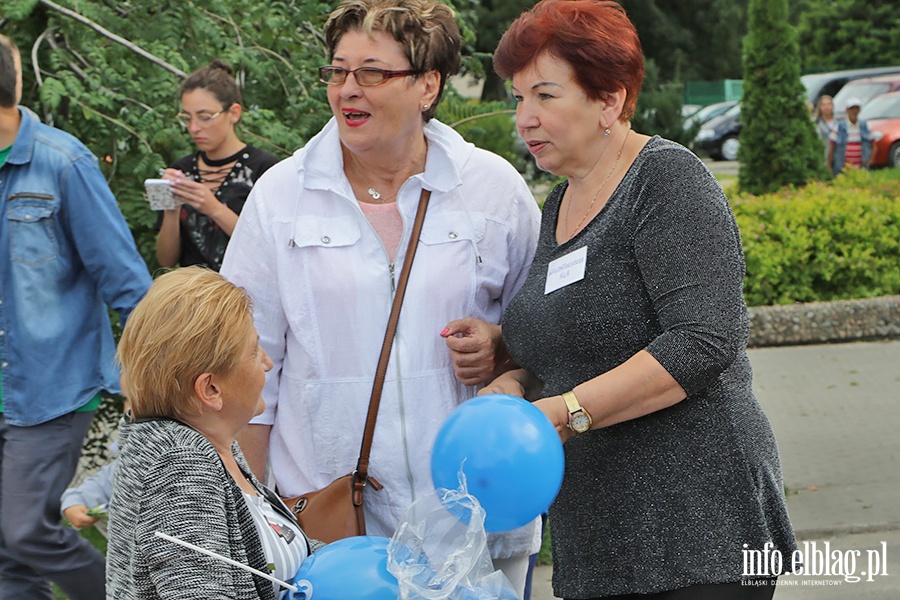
822 533
824 322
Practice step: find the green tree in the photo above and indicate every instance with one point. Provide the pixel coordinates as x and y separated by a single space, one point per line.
488 20
691 39
779 145
688 39
845 34
110 73
658 109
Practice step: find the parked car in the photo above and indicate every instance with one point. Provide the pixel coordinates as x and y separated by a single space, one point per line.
689 109
882 113
718 137
865 89
819 84
706 113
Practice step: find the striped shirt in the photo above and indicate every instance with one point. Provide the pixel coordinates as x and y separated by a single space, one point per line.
283 542
853 151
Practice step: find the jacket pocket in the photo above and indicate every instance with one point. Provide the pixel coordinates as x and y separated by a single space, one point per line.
454 227
326 232
448 259
32 228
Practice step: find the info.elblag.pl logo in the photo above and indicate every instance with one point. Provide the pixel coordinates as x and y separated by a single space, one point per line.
814 560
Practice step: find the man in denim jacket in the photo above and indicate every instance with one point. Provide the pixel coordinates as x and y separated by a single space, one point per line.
66 254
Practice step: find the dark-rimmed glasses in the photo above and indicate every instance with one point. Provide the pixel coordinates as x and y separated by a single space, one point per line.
203 119
365 76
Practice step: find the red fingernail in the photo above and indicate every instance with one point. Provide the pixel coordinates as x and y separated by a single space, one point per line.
445 332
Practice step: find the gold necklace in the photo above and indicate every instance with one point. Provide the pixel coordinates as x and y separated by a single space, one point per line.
597 193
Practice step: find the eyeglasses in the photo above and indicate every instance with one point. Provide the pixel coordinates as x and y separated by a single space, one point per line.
365 76
203 119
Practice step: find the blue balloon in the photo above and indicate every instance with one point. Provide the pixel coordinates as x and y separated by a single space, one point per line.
350 569
510 453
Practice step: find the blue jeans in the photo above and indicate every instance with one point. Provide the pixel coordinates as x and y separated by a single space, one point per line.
36 465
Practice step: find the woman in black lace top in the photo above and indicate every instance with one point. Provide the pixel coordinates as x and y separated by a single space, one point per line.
631 331
214 182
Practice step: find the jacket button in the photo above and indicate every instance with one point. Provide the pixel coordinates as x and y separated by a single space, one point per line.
326 239
452 235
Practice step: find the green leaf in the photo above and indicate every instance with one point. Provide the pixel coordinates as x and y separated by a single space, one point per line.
19 9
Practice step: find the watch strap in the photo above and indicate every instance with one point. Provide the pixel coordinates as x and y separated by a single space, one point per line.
572 403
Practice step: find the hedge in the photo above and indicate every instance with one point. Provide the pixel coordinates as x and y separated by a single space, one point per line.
836 240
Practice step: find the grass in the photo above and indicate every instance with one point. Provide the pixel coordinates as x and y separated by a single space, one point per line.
728 183
545 557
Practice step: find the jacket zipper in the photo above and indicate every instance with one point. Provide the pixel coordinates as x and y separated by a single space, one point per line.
400 402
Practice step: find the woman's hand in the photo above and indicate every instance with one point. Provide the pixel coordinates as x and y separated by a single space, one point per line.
198 196
554 407
474 349
505 384
201 199
78 517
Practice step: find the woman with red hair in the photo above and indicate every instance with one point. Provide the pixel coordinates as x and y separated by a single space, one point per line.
631 331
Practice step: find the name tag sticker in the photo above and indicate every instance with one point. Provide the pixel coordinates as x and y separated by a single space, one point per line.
565 270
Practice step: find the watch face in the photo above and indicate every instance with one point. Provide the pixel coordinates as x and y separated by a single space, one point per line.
580 422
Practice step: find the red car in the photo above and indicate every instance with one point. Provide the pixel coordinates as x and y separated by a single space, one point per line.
882 113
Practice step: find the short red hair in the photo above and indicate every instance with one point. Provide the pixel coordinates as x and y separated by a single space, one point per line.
596 39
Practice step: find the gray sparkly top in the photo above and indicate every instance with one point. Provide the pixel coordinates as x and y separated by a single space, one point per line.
667 500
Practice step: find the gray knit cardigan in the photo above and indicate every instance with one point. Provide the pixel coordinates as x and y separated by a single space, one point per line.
171 479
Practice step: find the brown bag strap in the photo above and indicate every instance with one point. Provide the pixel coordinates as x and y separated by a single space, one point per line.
360 476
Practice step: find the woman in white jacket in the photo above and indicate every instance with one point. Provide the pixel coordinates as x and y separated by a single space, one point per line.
316 248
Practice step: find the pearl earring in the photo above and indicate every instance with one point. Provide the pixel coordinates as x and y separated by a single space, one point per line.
606 131
424 108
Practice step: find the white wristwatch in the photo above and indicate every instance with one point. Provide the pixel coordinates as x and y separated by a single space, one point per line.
579 418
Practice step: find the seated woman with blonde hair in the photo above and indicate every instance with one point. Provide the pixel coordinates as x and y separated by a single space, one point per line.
193 371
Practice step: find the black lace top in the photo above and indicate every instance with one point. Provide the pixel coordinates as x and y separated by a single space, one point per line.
202 241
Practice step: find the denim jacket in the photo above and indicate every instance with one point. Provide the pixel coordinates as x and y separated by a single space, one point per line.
65 254
840 146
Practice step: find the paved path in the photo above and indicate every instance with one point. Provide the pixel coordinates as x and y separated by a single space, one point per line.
722 167
836 414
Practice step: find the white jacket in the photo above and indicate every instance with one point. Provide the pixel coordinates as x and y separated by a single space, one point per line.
322 287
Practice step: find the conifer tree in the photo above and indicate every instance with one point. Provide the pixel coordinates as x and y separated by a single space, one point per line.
779 144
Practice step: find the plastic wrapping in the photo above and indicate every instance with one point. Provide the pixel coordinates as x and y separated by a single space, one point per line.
440 551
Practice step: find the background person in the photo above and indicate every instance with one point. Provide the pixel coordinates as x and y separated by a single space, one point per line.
317 246
57 278
92 493
639 358
851 142
193 372
85 504
823 116
215 181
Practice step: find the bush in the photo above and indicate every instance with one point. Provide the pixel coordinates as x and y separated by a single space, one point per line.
822 242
